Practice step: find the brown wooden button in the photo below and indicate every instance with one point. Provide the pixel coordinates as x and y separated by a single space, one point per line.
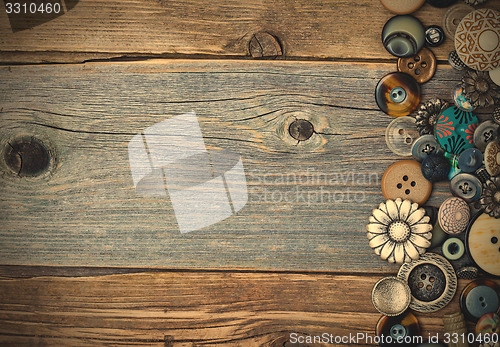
421 66
404 180
402 6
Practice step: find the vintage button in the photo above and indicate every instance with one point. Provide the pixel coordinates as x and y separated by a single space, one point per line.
477 39
492 158
454 169
453 248
391 296
421 66
461 99
425 146
403 36
488 324
466 186
454 130
452 18
483 243
428 113
400 135
455 61
454 215
482 174
479 298
404 180
495 76
397 327
470 160
399 231
496 115
490 199
486 132
435 168
454 325
468 272
434 35
397 94
432 281
441 3
402 6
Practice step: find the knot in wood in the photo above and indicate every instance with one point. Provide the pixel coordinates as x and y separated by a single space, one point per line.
263 44
27 157
301 129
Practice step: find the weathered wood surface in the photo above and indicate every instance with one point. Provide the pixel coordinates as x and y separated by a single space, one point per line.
190 308
87 212
96 29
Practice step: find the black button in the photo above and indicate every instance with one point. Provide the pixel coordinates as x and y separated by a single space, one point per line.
427 282
434 35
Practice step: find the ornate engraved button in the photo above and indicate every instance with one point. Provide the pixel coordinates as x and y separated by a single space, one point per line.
454 215
421 66
492 158
477 39
397 94
432 281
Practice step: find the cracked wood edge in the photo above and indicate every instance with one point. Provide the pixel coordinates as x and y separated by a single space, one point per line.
104 29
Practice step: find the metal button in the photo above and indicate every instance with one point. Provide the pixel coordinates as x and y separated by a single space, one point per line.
470 160
455 62
453 248
483 243
434 35
452 18
432 281
477 39
390 100
421 66
466 186
485 133
403 36
479 298
496 115
454 215
400 135
468 272
402 7
404 180
391 296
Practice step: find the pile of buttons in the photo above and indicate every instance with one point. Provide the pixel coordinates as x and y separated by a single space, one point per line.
448 143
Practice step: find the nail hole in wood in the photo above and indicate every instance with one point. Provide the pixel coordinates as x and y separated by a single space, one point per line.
27 156
301 129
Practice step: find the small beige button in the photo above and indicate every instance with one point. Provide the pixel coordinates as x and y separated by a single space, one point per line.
421 66
402 6
404 180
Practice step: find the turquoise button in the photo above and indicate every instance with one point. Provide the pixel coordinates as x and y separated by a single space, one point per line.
481 300
398 331
454 130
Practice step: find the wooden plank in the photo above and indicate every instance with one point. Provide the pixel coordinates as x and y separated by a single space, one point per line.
189 309
86 212
347 29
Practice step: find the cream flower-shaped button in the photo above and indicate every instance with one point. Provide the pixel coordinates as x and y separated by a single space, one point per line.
399 231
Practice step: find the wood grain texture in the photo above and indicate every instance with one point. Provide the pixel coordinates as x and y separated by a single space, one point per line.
86 212
191 309
347 29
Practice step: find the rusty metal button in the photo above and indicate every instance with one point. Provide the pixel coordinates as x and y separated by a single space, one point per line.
402 6
391 296
452 18
432 281
404 180
421 66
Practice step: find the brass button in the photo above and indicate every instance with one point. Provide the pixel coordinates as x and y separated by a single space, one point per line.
421 66
391 296
404 180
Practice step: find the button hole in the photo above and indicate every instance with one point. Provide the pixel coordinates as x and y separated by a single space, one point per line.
431 279
401 131
413 183
423 64
494 240
411 65
416 58
423 276
417 71
407 192
481 298
420 284
399 186
483 304
405 178
408 140
429 287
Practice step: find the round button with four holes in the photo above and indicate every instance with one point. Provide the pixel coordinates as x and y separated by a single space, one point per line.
421 66
404 180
